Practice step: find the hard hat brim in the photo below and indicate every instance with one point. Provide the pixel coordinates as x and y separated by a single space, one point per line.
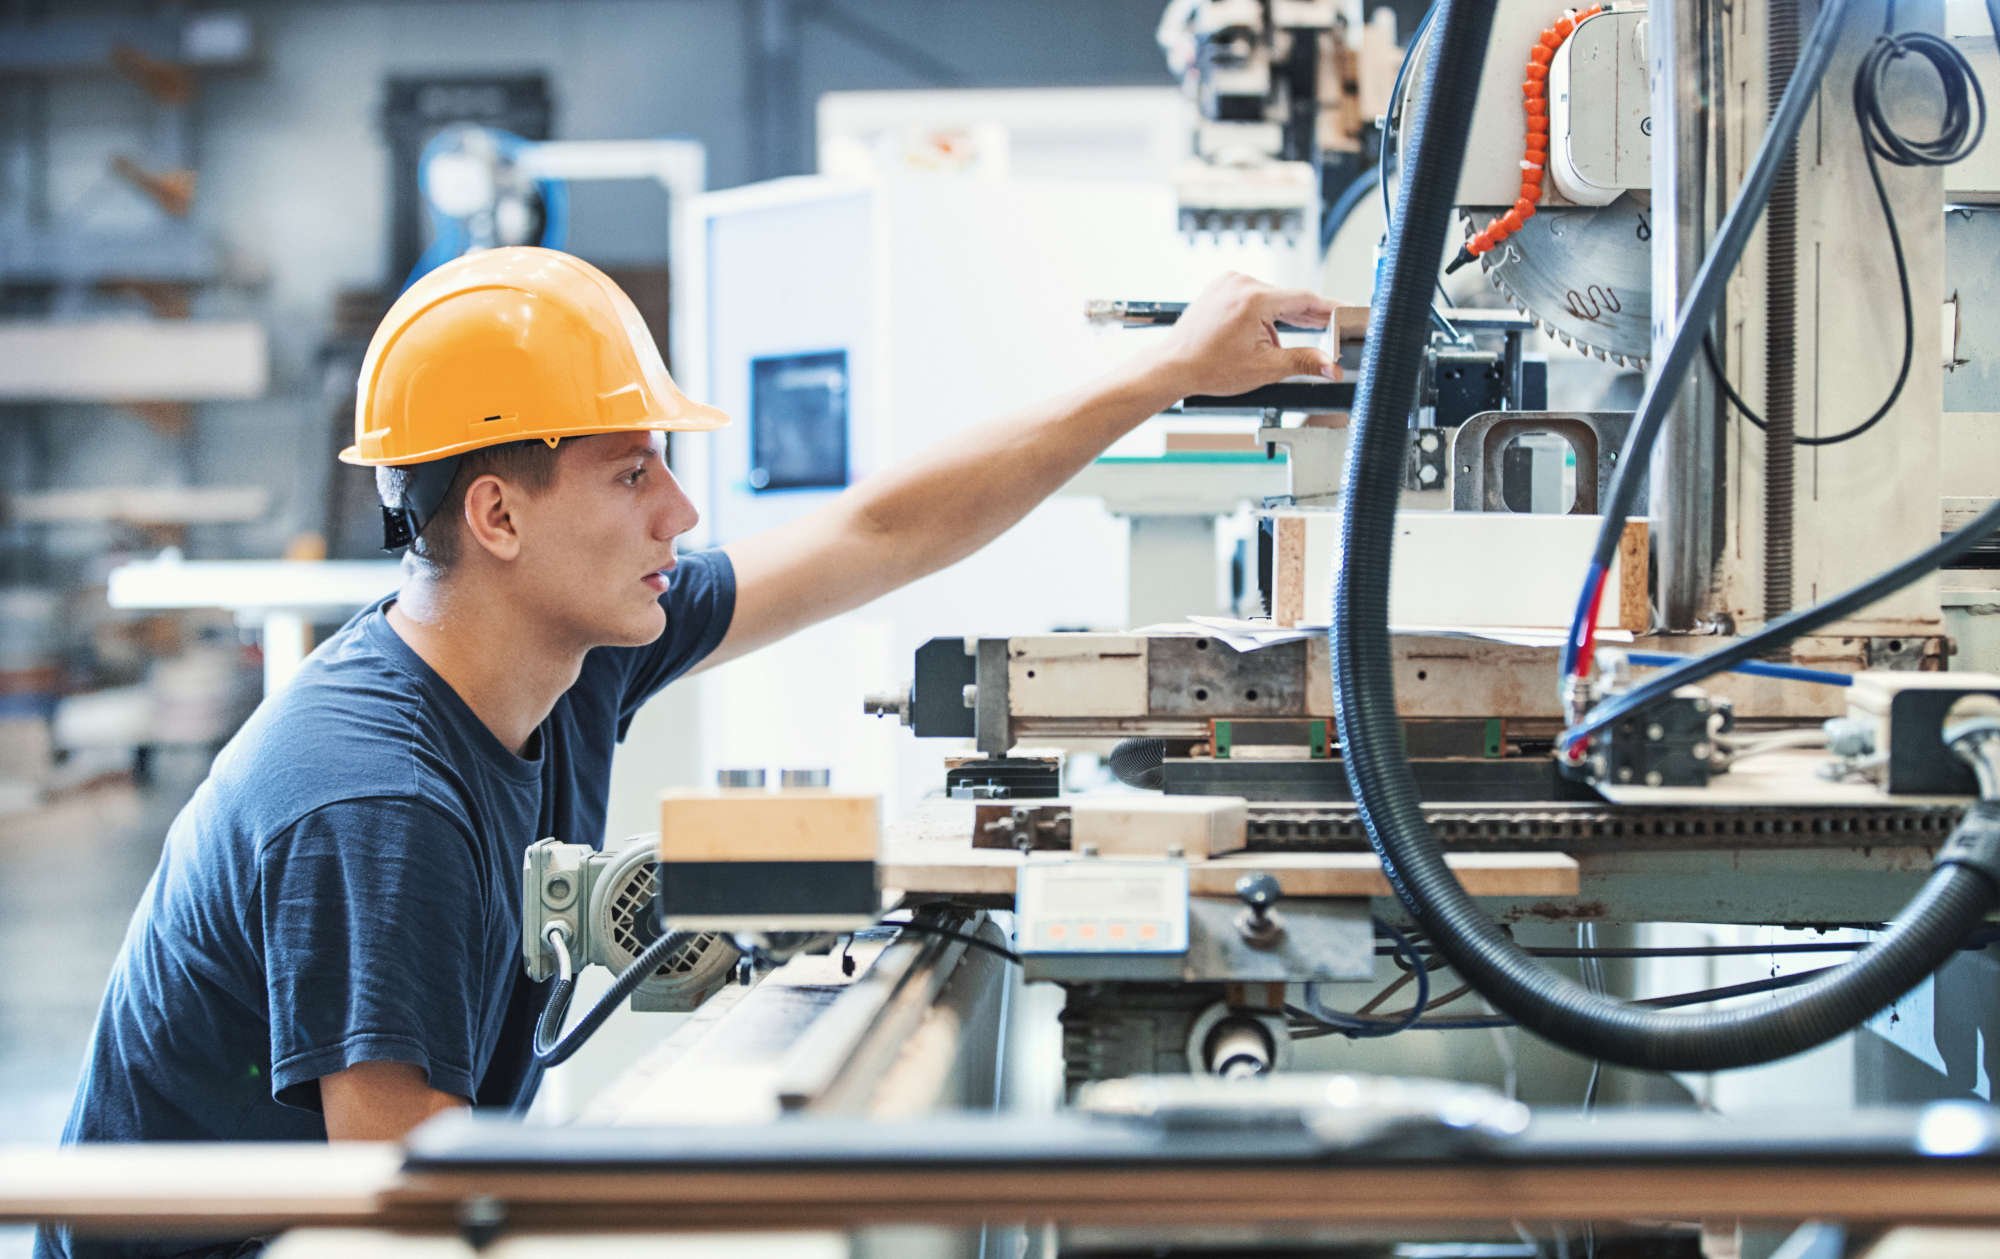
691 417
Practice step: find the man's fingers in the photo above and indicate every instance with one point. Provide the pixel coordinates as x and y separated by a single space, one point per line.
1303 307
1305 361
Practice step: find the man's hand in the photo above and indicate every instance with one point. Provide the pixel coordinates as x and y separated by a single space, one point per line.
1226 341
932 510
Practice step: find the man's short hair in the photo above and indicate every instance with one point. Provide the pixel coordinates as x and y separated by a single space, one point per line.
531 464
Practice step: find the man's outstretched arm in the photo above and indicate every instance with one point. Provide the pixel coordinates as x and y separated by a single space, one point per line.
939 507
379 1101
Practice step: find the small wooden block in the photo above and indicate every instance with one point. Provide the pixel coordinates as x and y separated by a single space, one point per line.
1350 324
1199 826
756 825
1288 581
1635 604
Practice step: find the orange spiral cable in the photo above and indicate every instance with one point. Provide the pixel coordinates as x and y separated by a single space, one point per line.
1535 152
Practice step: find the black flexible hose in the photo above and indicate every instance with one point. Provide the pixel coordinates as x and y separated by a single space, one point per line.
1952 902
551 1052
1140 762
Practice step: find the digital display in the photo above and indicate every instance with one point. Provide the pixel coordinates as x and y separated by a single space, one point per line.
798 421
1102 906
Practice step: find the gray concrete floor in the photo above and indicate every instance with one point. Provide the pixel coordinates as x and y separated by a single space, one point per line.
70 874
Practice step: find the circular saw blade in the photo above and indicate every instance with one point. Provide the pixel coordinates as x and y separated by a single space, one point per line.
1583 274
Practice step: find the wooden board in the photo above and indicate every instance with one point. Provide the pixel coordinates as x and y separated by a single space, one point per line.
957 869
757 825
1467 570
188 1189
193 1188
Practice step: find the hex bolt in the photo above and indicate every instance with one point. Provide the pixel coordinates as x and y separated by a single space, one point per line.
1259 924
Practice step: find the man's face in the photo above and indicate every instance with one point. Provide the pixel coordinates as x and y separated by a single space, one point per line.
598 544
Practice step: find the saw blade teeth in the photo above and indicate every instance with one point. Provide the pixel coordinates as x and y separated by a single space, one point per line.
1583 243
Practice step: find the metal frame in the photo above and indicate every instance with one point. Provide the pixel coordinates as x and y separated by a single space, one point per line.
1477 446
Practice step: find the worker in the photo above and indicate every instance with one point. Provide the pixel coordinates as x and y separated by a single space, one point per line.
331 945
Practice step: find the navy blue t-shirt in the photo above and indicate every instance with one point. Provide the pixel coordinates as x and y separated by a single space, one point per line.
345 887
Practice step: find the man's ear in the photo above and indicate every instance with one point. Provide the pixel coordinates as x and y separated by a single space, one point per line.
489 517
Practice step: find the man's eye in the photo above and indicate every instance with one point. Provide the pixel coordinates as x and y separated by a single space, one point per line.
634 476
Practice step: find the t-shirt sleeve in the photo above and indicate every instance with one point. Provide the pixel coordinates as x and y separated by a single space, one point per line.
699 601
373 918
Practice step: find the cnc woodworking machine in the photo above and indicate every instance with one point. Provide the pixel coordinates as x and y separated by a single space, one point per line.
1649 731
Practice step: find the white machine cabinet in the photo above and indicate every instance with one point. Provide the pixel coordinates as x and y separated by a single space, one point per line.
847 325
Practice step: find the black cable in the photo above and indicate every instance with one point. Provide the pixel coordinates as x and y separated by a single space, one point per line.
1978 940
551 1052
1787 628
1365 1026
1671 1001
931 929
1959 133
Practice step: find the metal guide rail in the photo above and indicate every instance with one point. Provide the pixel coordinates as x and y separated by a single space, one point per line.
1337 826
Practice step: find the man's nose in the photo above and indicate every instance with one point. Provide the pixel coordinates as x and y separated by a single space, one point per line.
677 515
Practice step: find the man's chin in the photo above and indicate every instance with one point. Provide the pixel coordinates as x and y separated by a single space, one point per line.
643 631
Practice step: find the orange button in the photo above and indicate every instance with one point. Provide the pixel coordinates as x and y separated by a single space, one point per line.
1057 931
1149 931
1087 931
1117 931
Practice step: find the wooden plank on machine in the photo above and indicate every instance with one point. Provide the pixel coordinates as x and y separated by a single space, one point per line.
958 870
1466 570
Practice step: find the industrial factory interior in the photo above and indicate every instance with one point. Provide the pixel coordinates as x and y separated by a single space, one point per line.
1000 629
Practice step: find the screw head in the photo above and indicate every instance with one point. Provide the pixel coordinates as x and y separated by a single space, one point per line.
1656 731
1654 778
1259 891
1624 773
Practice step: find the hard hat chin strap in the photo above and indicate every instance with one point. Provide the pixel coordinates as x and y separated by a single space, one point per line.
423 494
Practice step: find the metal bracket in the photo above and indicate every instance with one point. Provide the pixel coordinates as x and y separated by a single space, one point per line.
992 727
1318 456
1906 652
1478 446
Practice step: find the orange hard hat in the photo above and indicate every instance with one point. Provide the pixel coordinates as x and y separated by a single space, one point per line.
509 345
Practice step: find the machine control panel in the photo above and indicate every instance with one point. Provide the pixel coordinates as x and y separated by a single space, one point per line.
1102 905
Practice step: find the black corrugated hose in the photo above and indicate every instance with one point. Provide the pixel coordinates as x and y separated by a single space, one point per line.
1955 899
551 1051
